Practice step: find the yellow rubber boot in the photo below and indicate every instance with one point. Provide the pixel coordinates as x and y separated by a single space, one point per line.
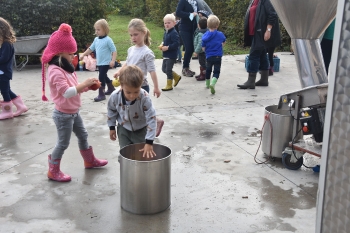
169 85
177 78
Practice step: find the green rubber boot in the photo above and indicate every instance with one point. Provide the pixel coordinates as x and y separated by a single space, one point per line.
212 85
207 83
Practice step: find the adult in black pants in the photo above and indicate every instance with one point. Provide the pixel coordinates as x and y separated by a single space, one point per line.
276 41
187 11
270 52
259 33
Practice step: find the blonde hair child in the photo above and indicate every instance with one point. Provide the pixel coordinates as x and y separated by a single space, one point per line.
142 56
106 54
170 45
212 44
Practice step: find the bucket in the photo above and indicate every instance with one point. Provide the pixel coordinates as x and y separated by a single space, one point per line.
282 131
145 182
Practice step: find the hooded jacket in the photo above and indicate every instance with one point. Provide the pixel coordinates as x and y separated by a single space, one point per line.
212 41
139 114
197 43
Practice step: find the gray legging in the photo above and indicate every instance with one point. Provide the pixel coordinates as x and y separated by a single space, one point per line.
167 67
65 124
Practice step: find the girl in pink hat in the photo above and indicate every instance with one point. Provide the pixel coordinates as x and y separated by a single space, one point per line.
7 38
65 93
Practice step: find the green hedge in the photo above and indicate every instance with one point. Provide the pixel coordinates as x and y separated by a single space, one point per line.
40 17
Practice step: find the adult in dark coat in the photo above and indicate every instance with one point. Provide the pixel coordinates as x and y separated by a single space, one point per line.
187 11
260 32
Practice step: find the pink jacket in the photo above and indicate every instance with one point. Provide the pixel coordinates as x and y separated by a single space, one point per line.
59 82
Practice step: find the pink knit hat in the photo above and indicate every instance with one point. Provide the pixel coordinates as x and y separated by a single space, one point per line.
60 41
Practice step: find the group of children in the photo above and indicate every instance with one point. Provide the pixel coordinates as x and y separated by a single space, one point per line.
208 44
129 108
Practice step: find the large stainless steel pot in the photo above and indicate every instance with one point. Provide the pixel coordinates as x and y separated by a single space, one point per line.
145 183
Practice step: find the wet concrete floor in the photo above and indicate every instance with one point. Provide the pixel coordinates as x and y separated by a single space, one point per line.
216 185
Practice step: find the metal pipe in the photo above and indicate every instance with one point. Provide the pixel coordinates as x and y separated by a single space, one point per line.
309 60
305 21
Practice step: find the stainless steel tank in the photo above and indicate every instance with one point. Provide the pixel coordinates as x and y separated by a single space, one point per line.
145 182
277 131
305 21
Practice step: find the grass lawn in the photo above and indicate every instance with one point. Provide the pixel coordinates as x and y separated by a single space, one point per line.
119 33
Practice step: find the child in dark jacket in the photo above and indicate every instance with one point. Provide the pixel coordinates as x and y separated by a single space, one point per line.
170 47
202 28
7 39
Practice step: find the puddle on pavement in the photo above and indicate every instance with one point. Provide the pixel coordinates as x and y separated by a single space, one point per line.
207 134
277 199
275 203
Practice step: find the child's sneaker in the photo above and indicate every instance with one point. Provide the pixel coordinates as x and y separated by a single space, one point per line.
186 72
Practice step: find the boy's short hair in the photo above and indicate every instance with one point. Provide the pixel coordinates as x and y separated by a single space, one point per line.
131 76
170 17
103 24
203 23
213 22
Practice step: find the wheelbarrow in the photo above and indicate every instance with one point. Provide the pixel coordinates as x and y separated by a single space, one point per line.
28 46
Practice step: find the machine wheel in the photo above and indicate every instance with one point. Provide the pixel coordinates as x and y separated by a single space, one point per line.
288 164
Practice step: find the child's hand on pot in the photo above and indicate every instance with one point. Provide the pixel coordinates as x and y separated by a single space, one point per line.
148 151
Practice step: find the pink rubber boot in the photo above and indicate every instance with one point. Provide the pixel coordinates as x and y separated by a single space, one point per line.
89 159
21 108
55 173
6 110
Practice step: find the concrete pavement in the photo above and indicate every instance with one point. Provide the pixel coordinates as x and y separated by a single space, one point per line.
202 130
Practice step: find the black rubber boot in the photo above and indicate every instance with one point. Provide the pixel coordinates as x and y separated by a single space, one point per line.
101 94
110 88
250 83
271 71
264 79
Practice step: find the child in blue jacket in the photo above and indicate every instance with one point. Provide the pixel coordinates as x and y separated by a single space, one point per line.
212 43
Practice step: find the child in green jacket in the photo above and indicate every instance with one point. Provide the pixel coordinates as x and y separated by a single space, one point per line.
202 28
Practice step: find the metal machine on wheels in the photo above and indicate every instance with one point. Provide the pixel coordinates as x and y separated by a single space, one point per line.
305 21
307 107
